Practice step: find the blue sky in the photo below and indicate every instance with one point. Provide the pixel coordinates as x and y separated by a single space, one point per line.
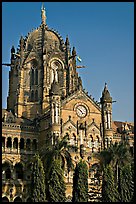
103 34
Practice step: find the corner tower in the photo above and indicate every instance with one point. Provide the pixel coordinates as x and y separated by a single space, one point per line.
106 102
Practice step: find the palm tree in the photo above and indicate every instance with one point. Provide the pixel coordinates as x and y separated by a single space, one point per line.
120 156
117 155
59 150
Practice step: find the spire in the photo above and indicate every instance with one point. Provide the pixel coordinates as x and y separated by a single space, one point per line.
106 94
43 14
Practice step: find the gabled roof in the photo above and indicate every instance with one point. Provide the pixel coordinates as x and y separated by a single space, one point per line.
80 94
93 124
70 122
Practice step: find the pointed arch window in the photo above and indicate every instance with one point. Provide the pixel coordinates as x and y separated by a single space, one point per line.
36 95
32 76
21 143
9 142
32 95
15 143
19 171
36 76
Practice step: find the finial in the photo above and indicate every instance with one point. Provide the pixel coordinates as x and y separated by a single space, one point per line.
67 41
43 16
105 87
74 51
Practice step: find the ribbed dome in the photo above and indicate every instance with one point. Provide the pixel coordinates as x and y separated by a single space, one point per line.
35 38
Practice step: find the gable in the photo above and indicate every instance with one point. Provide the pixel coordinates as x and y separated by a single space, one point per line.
69 126
80 95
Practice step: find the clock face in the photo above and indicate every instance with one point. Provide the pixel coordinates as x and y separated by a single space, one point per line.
81 111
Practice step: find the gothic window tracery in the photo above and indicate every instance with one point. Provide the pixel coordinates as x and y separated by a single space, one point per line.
56 72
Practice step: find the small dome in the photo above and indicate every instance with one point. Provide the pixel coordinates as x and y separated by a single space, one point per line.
55 89
106 95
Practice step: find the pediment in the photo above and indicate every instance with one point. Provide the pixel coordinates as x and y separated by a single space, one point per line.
93 128
69 126
80 95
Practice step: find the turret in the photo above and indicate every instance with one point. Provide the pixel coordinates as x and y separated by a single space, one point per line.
12 53
68 54
106 102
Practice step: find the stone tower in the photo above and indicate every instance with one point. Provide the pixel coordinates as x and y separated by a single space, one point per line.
42 57
106 102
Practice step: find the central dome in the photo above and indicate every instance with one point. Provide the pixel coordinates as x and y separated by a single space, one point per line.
50 37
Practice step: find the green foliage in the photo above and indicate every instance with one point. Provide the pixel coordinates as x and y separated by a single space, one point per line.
126 183
52 154
80 183
56 184
60 150
120 175
109 189
38 180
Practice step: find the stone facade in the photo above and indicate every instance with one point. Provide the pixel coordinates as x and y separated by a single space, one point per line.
46 100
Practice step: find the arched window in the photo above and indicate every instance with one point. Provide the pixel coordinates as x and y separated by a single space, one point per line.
9 143
34 144
3 142
19 171
8 173
97 142
36 95
32 76
5 199
17 199
36 77
107 142
91 141
32 95
28 143
21 143
15 143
